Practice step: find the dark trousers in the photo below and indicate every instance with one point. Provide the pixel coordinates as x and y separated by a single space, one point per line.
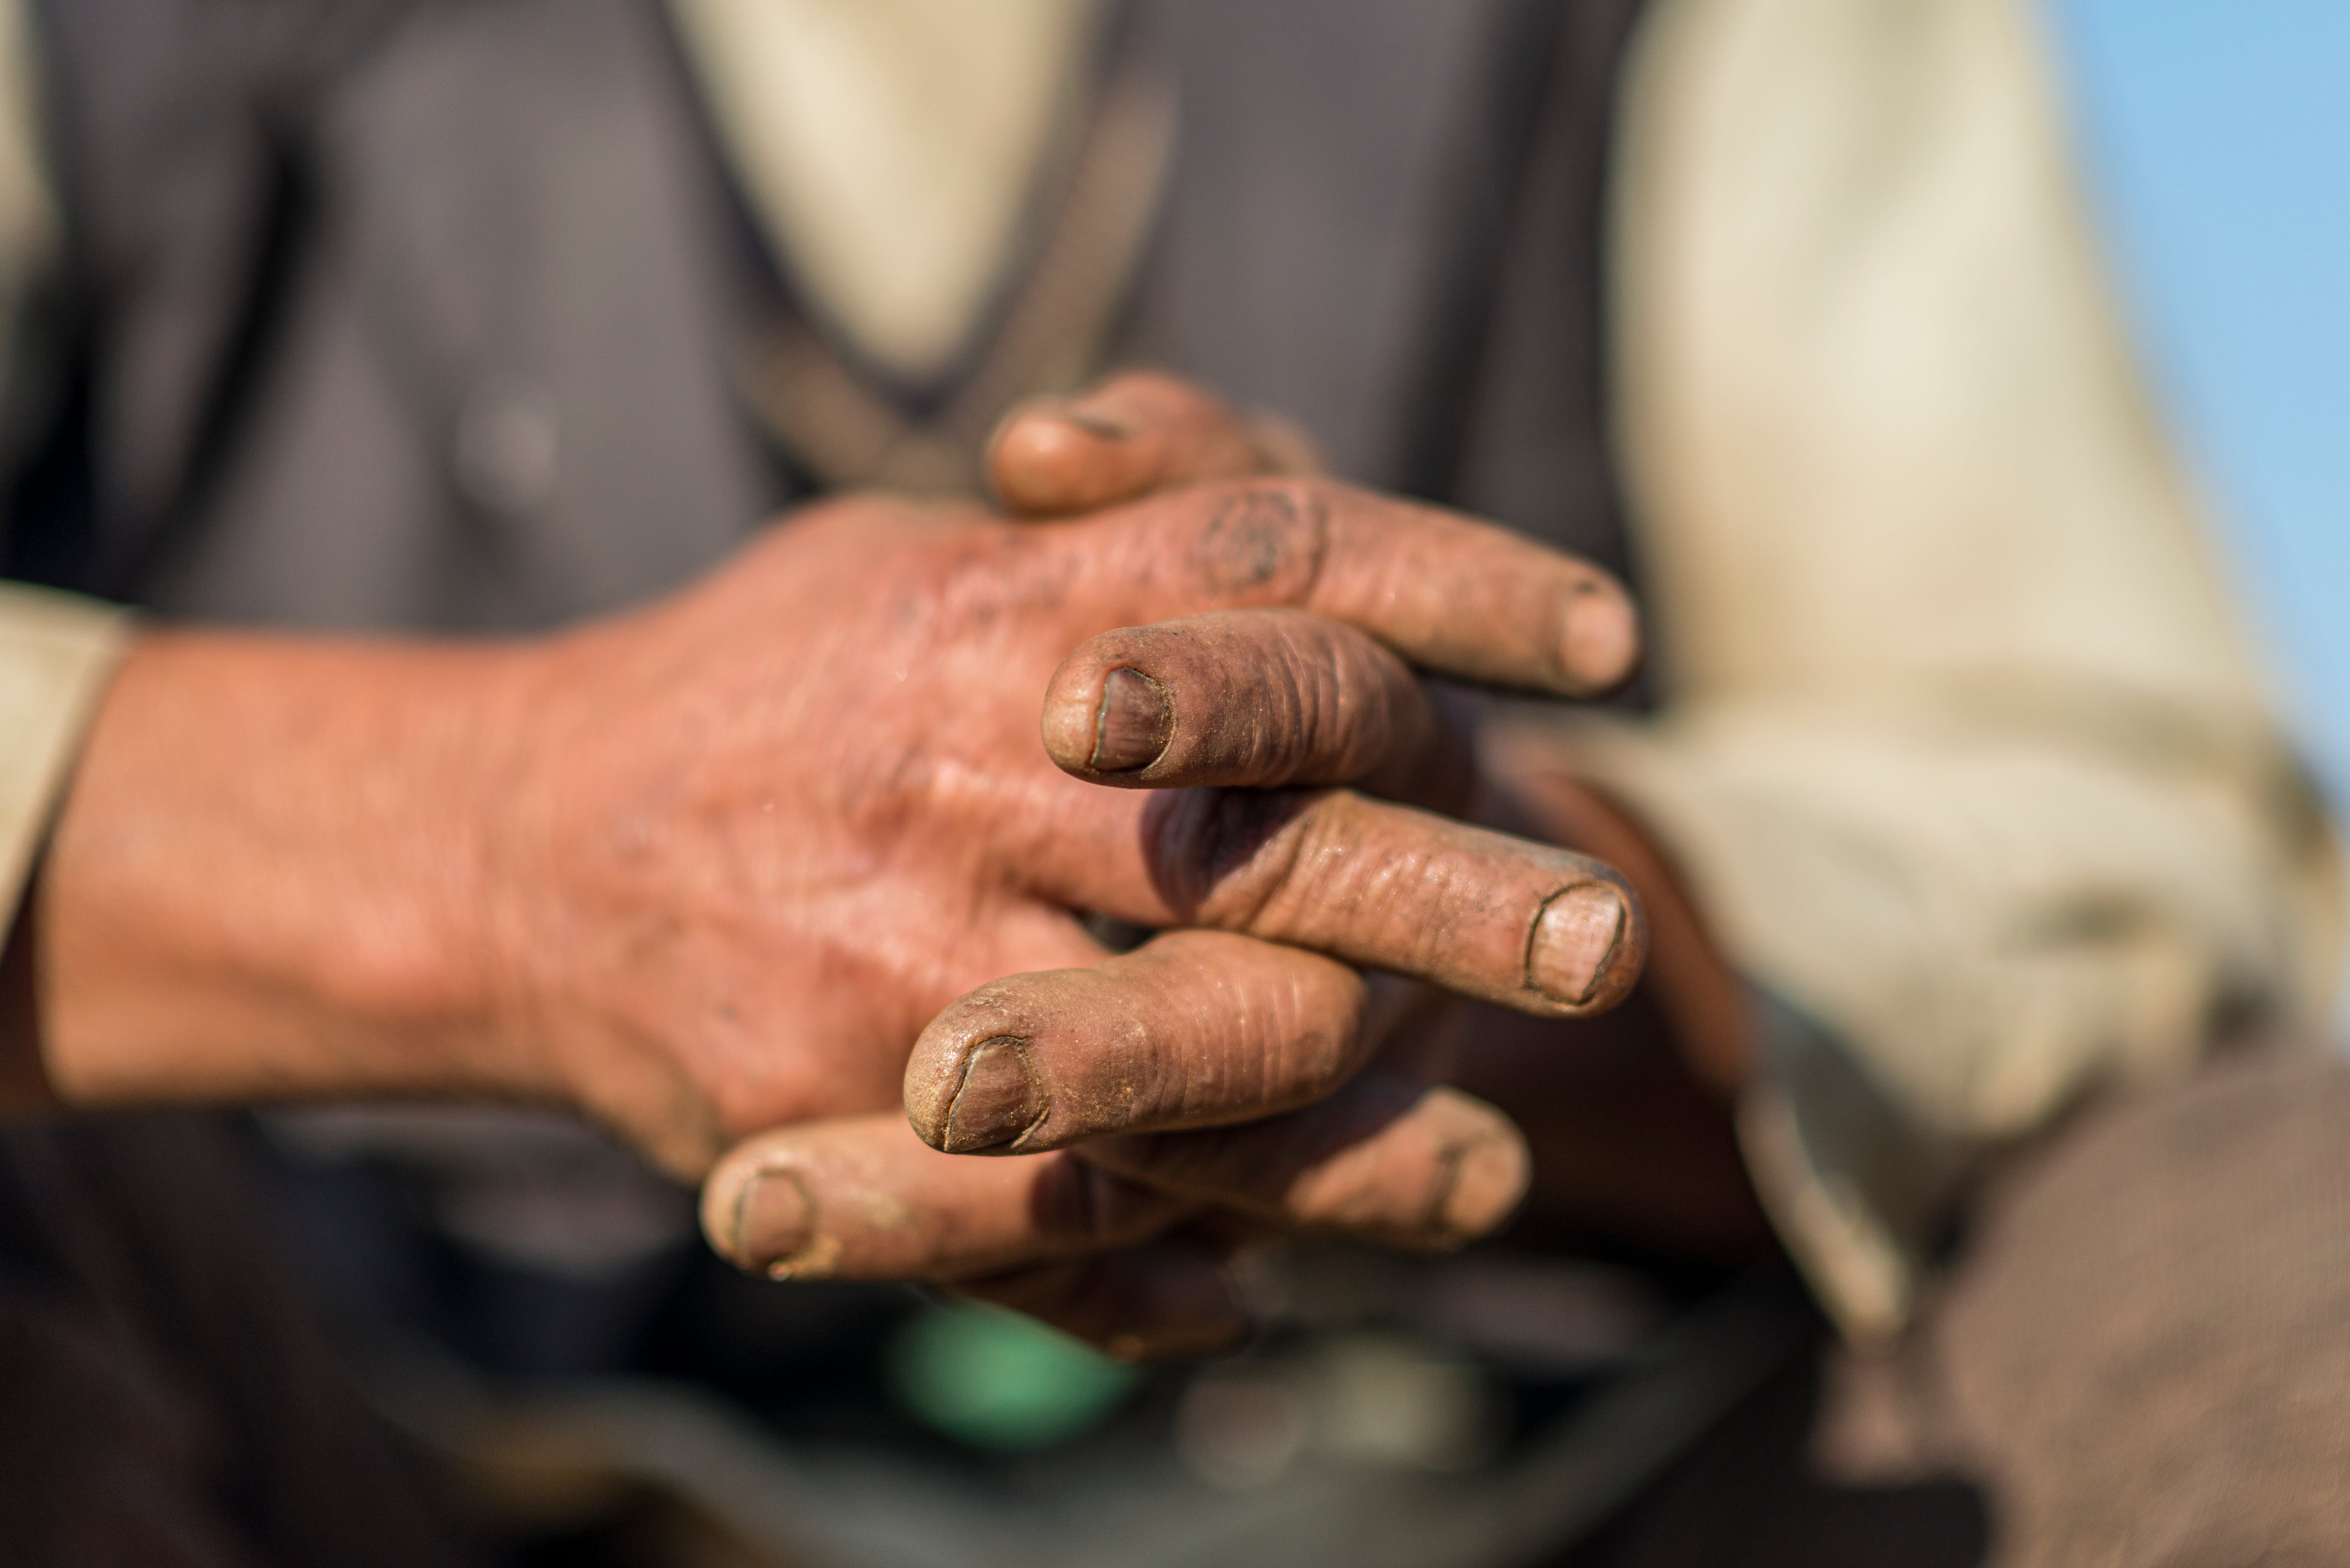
2140 1357
166 1398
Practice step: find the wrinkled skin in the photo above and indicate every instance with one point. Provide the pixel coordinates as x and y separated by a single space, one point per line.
747 939
1090 1059
714 866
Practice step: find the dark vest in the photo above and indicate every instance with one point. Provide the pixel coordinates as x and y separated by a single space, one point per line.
425 313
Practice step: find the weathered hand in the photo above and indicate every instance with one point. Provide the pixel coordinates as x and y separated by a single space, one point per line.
710 867
759 836
1626 1118
1126 1058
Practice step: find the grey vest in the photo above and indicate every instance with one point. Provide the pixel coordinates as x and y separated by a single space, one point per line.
421 313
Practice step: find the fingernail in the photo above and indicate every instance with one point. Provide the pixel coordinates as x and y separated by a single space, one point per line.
1603 638
1487 1182
1573 937
1135 723
1099 425
773 1220
998 1100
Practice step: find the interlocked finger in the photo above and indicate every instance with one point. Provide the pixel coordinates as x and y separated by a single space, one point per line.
1453 596
1370 883
1193 1029
1262 698
1531 926
861 1198
1134 434
1386 1159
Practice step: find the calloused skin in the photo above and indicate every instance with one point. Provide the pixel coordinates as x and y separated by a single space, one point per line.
714 868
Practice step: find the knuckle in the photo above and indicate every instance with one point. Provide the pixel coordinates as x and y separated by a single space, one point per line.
1264 541
1361 716
1219 857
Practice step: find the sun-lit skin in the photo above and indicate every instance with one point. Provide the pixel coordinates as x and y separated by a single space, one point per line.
712 867
1634 1144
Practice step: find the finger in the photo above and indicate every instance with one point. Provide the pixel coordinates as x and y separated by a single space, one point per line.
1503 919
1263 698
1135 433
860 1198
1386 1161
1151 1303
1451 596
1191 1029
1369 883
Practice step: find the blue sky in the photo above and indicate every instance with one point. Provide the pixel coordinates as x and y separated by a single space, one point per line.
2216 138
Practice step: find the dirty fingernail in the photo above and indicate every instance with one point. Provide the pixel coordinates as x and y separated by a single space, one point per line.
774 1220
1134 724
1603 638
1487 1182
1574 936
1102 426
998 1100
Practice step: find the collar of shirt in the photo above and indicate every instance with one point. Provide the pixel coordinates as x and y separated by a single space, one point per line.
891 150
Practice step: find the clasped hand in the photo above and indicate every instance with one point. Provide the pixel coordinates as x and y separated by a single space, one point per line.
1251 665
709 871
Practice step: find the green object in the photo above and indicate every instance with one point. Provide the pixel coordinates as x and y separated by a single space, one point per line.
997 1380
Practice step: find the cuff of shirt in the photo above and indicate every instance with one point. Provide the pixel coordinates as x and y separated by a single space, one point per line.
1955 929
57 652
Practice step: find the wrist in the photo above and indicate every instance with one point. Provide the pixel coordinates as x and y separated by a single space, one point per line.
272 876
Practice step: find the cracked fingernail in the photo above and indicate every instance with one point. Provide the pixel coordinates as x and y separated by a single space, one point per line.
1574 938
774 1220
997 1101
1134 723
